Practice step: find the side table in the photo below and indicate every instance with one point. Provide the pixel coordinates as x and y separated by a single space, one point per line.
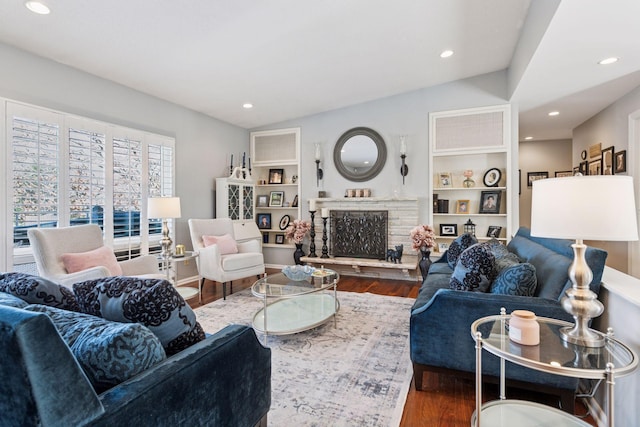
169 266
553 355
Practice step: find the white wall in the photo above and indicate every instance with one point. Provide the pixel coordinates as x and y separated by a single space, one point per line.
540 156
405 114
202 143
611 127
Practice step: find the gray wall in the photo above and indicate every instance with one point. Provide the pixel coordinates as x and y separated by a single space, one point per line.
611 127
405 114
202 143
540 156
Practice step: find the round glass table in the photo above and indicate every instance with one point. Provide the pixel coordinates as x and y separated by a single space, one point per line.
552 355
292 306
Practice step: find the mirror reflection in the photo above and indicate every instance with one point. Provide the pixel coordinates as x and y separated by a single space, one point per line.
360 154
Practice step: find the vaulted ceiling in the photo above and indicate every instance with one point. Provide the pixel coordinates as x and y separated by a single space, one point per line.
292 58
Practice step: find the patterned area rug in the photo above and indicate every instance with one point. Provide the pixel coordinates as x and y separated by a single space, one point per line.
355 374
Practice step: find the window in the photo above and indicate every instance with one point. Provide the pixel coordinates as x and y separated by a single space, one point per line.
68 170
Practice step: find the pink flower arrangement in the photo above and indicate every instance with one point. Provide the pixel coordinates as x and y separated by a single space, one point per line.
422 236
297 230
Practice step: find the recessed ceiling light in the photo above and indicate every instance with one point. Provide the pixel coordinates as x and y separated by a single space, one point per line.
528 137
446 53
37 7
608 61
554 113
247 105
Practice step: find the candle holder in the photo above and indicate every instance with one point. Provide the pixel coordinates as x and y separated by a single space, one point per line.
325 249
312 233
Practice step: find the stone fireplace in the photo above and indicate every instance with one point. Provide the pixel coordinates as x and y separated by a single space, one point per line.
359 234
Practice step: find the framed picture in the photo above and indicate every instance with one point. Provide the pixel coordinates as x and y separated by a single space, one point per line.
494 231
263 201
448 229
264 220
276 176
442 247
534 176
284 222
584 167
295 202
462 206
594 167
621 161
445 179
265 237
607 166
492 177
490 202
279 239
560 174
595 150
276 198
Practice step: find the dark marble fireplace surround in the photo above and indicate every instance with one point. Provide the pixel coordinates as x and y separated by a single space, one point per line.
359 233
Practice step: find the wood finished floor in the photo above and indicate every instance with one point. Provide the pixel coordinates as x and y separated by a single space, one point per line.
446 401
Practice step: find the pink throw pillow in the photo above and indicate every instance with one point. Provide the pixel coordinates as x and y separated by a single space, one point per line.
102 256
225 243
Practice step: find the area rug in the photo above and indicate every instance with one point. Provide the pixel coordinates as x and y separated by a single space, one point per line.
355 373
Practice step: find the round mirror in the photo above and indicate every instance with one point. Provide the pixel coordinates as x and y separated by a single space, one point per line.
360 154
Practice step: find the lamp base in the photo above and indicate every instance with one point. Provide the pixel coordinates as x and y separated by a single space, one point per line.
166 241
584 338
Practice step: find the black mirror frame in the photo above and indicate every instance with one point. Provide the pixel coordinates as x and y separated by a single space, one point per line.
377 166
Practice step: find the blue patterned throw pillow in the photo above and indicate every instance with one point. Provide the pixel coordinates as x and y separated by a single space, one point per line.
517 279
12 301
475 270
154 303
38 290
459 245
108 352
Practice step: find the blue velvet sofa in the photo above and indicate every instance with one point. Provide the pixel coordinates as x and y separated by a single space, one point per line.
441 318
224 380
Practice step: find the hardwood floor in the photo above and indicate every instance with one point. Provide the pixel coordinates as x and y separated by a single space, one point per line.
446 401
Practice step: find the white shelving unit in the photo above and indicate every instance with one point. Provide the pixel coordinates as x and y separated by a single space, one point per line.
272 151
475 139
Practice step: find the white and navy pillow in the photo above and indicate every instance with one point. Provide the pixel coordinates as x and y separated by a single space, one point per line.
475 270
459 245
108 352
38 290
154 303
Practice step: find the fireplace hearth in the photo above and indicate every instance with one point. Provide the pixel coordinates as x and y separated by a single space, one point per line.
359 233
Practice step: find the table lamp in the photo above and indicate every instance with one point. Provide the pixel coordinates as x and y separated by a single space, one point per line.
164 208
599 207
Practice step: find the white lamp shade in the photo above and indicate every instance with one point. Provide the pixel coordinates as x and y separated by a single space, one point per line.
163 207
598 207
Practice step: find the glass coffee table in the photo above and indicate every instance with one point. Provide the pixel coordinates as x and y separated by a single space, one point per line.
292 306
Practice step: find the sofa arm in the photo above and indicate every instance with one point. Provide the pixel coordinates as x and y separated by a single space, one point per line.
92 273
209 262
249 246
224 380
440 331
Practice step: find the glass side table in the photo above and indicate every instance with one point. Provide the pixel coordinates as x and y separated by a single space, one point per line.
552 355
169 267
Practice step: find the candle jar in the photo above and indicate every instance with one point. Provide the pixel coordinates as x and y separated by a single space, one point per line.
524 328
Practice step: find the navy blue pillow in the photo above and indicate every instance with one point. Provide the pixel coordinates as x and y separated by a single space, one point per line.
475 270
518 279
457 247
38 290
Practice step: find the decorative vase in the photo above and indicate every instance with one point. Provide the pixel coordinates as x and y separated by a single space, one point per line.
298 254
425 262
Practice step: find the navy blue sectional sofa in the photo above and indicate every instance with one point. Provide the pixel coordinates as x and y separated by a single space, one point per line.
441 317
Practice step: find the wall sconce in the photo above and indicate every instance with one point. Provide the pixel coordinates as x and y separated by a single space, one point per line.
319 173
404 169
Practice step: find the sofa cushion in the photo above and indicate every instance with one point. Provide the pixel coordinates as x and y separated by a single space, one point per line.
458 246
226 243
100 257
154 303
475 269
108 352
517 279
241 261
12 301
38 290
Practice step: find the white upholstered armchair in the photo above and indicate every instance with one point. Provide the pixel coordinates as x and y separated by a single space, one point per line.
83 244
221 258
